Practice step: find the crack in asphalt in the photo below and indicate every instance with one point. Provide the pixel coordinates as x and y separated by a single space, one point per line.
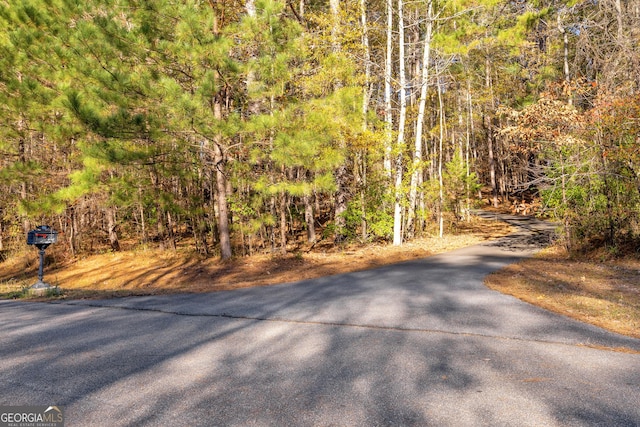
531 234
356 325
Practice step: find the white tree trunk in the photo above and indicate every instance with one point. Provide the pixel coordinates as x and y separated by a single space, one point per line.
416 174
470 134
618 6
388 72
366 95
565 67
250 7
440 177
334 5
367 63
397 215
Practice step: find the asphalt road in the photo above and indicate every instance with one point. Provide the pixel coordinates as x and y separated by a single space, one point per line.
421 343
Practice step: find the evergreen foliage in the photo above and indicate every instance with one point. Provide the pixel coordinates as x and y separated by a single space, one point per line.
161 122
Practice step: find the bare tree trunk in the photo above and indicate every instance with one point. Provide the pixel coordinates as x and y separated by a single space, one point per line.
388 71
492 163
440 177
254 104
618 6
565 67
283 222
73 229
160 212
364 232
171 236
567 227
250 7
223 207
362 157
470 135
490 136
219 162
111 228
334 6
308 219
367 63
397 214
341 174
22 156
416 174
341 200
143 222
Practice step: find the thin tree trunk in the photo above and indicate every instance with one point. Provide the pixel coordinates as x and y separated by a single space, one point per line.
308 219
362 157
367 63
171 236
143 224
22 156
416 174
160 211
440 177
111 228
468 150
73 227
492 163
388 71
341 174
364 232
565 56
223 208
219 162
618 6
253 104
334 6
341 200
283 223
397 214
490 136
567 229
250 7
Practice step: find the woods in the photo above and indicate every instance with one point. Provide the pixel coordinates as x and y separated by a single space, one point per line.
258 125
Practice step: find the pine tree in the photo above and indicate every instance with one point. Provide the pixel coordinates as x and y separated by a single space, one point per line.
35 144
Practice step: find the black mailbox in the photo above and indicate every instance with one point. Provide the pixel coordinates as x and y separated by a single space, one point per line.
42 237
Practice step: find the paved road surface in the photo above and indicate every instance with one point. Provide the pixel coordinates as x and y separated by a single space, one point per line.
421 343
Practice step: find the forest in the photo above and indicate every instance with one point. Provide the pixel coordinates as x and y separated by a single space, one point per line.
246 126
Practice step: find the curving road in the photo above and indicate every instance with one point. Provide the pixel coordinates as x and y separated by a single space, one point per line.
420 343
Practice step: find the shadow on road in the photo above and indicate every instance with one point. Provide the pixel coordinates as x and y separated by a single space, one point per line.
129 367
416 344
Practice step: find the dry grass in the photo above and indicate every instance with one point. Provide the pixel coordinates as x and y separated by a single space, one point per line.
603 293
153 272
606 294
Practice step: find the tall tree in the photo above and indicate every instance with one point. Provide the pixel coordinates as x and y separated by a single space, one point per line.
399 167
417 169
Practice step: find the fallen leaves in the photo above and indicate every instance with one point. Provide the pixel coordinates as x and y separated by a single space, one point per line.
606 295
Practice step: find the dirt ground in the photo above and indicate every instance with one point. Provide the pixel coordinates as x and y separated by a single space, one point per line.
596 289
150 271
600 290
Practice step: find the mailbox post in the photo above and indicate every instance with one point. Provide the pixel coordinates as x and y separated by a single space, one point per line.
41 238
